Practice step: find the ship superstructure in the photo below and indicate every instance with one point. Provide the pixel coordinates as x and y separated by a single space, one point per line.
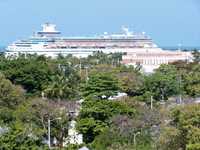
49 42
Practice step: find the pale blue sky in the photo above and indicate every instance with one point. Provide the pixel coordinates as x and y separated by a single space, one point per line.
168 22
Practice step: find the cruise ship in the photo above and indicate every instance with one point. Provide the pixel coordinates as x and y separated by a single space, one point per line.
137 47
50 43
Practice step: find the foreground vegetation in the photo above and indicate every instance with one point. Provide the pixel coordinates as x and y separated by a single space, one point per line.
153 116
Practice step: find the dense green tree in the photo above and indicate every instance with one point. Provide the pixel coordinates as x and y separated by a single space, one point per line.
189 73
10 97
101 85
19 137
131 83
192 81
163 83
62 88
32 73
94 116
187 120
38 73
193 146
128 132
169 139
100 58
36 113
183 130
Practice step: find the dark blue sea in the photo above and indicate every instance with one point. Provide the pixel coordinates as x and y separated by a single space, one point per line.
188 48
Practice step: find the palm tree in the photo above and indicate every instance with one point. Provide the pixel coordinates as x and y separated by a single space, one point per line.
59 88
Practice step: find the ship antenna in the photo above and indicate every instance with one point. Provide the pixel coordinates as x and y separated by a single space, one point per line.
179 46
126 31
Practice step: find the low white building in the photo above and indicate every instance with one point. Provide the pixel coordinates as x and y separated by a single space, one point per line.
151 59
73 136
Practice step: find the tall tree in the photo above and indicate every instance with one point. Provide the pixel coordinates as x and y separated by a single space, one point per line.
35 114
95 116
11 97
183 130
163 83
101 85
18 137
192 81
131 82
60 88
31 73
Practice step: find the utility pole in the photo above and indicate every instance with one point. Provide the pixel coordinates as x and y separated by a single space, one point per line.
162 90
134 138
180 91
86 72
151 102
49 133
80 65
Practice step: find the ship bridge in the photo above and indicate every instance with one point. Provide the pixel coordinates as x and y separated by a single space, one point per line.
48 30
